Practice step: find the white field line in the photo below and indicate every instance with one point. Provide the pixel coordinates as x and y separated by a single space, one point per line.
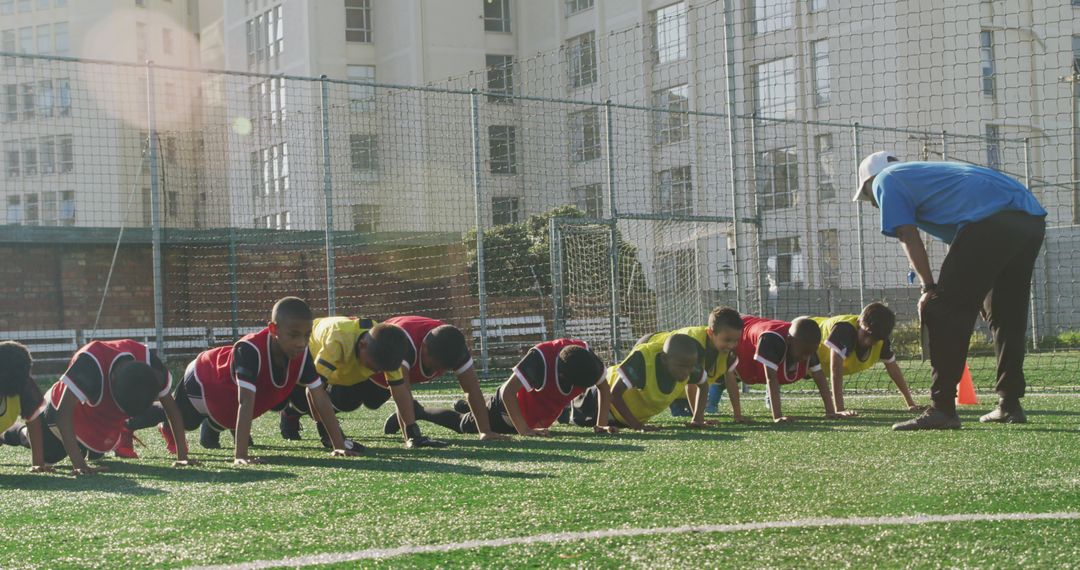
552 538
990 398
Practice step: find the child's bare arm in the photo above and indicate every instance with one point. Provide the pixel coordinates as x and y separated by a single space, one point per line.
65 422
323 410
470 385
175 423
603 408
772 381
244 415
897 376
37 451
731 384
517 419
620 406
836 371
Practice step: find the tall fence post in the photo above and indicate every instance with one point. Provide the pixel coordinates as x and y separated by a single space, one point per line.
860 239
155 213
609 140
328 199
759 257
234 286
555 256
944 145
733 165
481 284
1034 282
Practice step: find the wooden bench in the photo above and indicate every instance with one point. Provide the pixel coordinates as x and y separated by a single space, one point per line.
598 329
509 338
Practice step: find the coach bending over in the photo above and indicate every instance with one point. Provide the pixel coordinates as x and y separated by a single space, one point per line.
995 227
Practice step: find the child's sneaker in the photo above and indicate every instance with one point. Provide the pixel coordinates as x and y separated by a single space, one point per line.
125 448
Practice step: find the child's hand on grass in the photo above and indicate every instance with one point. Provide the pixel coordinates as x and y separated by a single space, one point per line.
189 462
742 420
492 436
842 415
782 420
42 469
649 427
917 408
345 453
605 429
88 470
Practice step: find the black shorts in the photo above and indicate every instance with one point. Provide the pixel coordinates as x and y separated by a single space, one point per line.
498 418
344 398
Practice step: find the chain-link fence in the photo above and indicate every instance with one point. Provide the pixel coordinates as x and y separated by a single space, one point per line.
624 183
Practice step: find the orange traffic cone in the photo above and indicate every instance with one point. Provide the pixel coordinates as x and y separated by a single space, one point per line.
965 393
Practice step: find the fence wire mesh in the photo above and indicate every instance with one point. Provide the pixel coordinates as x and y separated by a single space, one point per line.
643 167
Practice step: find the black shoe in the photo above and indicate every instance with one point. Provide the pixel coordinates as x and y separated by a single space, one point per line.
209 437
353 446
424 441
462 407
1006 412
932 418
289 425
564 416
391 426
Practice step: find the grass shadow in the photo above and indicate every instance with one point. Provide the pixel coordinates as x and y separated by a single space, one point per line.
568 440
200 473
61 481
393 464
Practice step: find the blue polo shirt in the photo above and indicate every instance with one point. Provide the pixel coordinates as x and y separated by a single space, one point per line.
943 197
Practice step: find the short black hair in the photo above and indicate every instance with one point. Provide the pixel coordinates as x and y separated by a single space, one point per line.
291 308
805 329
580 366
135 386
725 317
879 319
683 345
447 345
15 363
387 345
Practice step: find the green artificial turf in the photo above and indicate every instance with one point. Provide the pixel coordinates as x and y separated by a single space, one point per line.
148 514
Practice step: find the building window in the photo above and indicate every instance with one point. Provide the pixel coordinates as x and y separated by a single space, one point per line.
63 98
29 157
502 143
31 214
581 60
993 147
777 178
819 53
166 41
60 37
986 51
671 123
829 244
281 168
47 155
575 6
358 21
826 167
784 261
673 192
363 152
366 218
44 98
65 154
255 167
589 199
772 15
361 97
44 39
7 7
26 42
66 212
8 44
14 210
500 78
818 5
48 208
25 6
505 211
585 135
669 33
496 15
11 103
265 35
277 38
774 88
1076 63
12 154
29 101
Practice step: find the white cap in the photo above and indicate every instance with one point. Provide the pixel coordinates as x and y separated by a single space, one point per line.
872 166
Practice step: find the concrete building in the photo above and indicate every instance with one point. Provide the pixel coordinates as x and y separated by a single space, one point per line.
74 135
